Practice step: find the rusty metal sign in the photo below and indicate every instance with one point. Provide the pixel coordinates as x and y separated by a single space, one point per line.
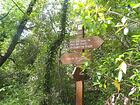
86 43
72 58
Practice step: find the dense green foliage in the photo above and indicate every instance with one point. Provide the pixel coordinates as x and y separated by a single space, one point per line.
33 74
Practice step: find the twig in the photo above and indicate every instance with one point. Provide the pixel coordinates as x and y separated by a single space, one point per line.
117 98
123 44
12 60
136 66
116 13
7 13
51 21
18 7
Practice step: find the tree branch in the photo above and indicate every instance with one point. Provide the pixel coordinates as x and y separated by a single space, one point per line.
50 17
116 13
6 13
17 35
18 7
135 66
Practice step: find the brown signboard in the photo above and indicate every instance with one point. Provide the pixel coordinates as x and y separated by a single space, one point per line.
86 43
72 58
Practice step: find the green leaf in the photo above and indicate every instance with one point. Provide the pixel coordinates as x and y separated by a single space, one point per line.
2 89
123 67
136 38
118 60
132 91
86 63
117 85
125 31
136 6
120 74
118 30
123 20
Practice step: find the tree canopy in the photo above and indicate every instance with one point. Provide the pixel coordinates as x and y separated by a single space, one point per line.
34 34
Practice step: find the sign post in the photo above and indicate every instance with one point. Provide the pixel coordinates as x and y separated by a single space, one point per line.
78 46
79 78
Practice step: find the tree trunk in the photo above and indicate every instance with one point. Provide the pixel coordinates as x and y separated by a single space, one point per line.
52 52
17 35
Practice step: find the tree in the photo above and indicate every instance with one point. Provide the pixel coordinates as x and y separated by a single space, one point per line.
114 21
17 35
33 73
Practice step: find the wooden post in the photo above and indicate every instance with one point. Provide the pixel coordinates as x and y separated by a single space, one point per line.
79 92
79 78
80 82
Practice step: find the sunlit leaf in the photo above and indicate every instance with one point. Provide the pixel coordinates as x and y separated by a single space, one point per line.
120 74
118 30
125 31
86 63
118 60
133 76
136 38
105 85
123 20
137 5
2 89
123 67
108 21
132 91
119 25
117 85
